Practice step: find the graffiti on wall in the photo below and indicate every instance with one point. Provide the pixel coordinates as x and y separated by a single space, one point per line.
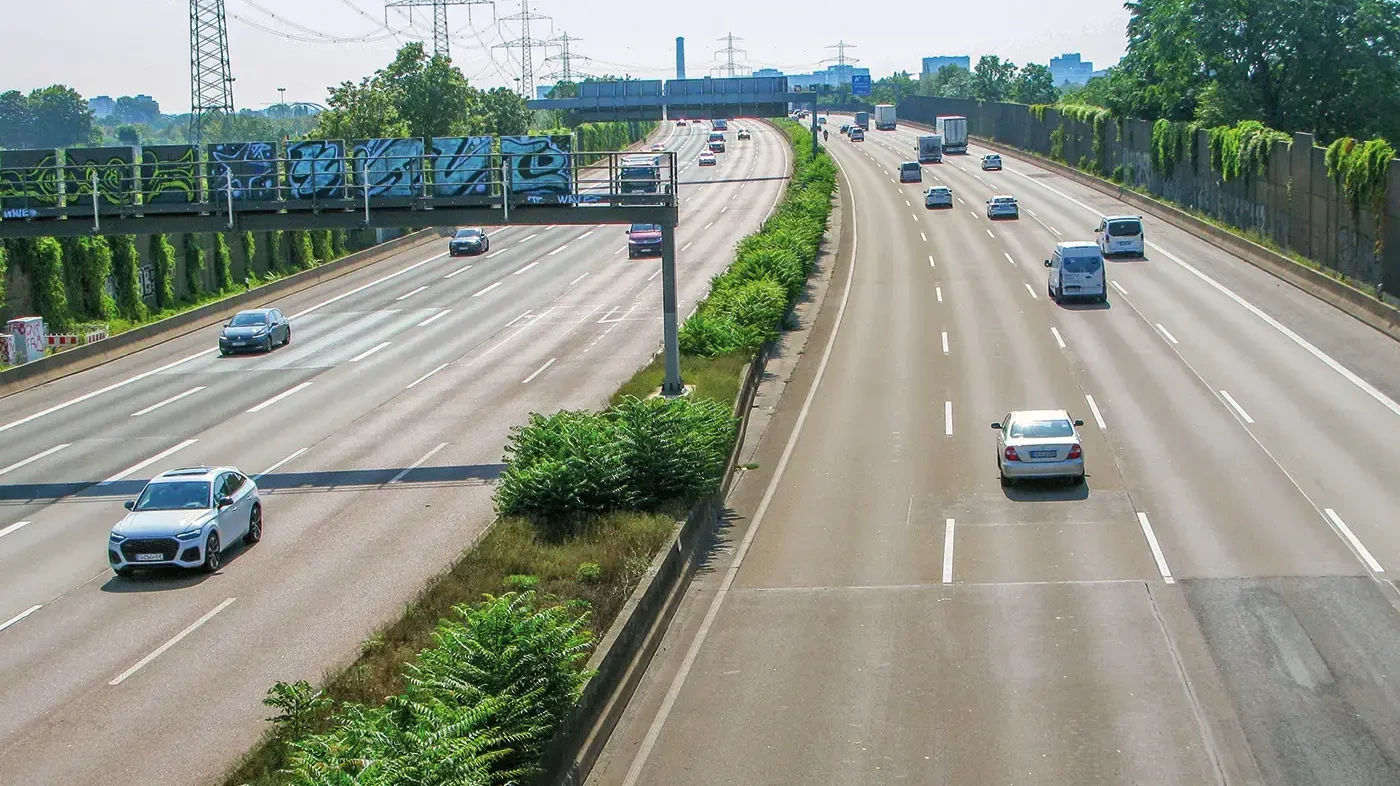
316 170
115 171
145 274
29 179
462 166
169 174
391 167
539 165
249 168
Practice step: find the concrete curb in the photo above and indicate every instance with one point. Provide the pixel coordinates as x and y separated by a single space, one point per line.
87 356
1375 313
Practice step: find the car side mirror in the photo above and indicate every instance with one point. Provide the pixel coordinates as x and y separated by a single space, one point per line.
1078 422
996 426
627 232
225 501
1047 263
129 504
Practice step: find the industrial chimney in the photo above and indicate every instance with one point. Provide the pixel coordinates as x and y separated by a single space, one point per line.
680 57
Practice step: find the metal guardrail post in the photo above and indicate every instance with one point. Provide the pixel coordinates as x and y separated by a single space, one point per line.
670 329
228 192
505 188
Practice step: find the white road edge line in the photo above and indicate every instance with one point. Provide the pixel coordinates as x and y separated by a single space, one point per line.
418 463
488 289
1031 290
1166 333
280 396
538 371
408 295
49 452
1058 339
167 645
1094 408
151 408
1229 399
370 351
439 315
948 552
1152 543
15 527
948 418
11 621
673 692
1346 533
945 342
280 464
415 382
148 462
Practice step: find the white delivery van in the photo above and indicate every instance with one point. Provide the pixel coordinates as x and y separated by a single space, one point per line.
1076 271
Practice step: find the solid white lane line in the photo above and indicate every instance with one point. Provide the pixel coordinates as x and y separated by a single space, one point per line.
1229 399
938 291
945 342
990 235
415 382
410 294
1056 231
557 250
495 254
1008 257
948 552
1031 290
458 271
1094 408
1119 287
439 315
12 620
363 287
418 463
370 351
148 462
538 371
167 645
1058 340
948 418
15 527
151 408
930 261
78 400
488 289
1354 541
280 396
280 464
1152 543
687 245
51 451
1166 333
527 267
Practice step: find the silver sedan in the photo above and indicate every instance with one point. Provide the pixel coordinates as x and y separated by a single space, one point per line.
938 196
1039 443
1003 205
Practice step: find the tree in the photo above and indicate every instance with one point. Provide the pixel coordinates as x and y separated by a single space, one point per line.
54 116
563 89
894 88
1034 85
992 78
129 135
126 264
136 109
16 121
504 112
360 111
950 82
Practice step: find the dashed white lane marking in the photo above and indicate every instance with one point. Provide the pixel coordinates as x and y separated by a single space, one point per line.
930 261
167 645
1354 541
370 351
280 396
15 527
687 245
538 371
925 237
1008 257
961 202
424 378
575 281
417 464
557 250
488 289
363 287
584 235
495 254
908 203
1098 416
1152 543
707 226
1120 288
1031 290
1229 399
990 235
153 407
527 267
1167 333
280 464
439 315
939 292
15 619
973 213
522 316
148 462
1056 231
654 275
459 271
948 418
1058 340
408 295
948 552
57 448
529 237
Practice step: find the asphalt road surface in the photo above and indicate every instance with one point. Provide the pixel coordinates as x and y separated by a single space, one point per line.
1212 608
377 433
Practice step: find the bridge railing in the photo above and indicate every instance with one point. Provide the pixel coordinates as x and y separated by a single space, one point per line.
88 184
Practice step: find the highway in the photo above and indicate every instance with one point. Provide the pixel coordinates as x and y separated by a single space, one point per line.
375 435
1213 607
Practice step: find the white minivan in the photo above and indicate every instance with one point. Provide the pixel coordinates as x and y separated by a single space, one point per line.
1076 271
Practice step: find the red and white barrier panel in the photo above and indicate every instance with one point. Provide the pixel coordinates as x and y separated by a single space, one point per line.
74 339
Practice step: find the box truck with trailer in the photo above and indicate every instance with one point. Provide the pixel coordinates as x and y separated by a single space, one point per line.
953 129
884 117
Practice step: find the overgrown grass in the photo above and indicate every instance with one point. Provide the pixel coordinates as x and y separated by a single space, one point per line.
714 378
622 545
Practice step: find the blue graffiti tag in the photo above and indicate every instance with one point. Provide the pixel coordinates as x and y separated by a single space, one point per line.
538 164
316 170
461 166
391 167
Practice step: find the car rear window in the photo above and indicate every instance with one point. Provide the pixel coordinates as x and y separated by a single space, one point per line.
176 495
909 166
1041 429
1125 228
1087 264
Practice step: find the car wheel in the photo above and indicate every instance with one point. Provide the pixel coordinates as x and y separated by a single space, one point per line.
254 533
1007 482
223 352
124 573
213 559
485 246
288 339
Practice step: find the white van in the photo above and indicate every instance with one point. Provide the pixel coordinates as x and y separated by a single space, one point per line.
1121 235
1076 271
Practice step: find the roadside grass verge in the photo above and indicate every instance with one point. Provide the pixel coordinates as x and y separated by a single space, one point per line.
715 378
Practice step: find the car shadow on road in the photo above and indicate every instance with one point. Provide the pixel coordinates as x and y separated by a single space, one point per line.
1083 305
164 579
1046 491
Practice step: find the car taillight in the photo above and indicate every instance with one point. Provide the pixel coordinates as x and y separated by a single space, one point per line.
1010 455
1075 452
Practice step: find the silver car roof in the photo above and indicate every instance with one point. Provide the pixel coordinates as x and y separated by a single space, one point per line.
1038 415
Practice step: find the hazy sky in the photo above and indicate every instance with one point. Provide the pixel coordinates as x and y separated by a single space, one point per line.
142 46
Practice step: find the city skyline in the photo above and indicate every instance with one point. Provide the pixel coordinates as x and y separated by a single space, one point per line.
606 32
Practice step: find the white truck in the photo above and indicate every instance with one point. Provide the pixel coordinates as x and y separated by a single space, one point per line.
884 117
953 129
863 121
930 149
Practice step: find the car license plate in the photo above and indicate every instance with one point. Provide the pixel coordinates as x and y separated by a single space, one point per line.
1042 454
237 343
150 557
1069 288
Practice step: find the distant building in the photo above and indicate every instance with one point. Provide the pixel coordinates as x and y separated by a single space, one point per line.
542 91
1071 69
832 77
102 106
933 64
767 72
154 103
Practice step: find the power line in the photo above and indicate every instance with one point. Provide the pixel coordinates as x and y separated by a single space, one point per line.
566 59
526 45
368 38
841 59
442 45
730 68
211 80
